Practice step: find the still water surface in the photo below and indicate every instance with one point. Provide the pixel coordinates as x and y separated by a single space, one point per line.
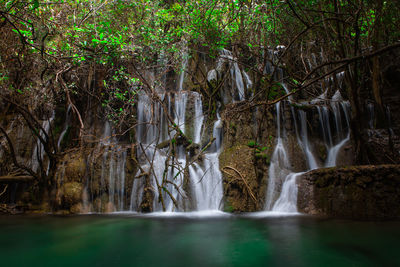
220 240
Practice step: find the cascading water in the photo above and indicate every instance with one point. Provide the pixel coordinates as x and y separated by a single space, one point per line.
152 160
180 110
171 134
112 175
279 166
206 178
334 137
236 74
38 150
389 119
287 201
184 64
198 119
304 143
371 115
168 172
338 106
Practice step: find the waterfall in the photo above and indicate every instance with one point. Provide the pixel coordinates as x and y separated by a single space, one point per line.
389 119
304 143
152 160
178 170
112 175
249 83
236 74
371 115
159 173
207 179
184 64
279 166
323 114
180 110
334 138
136 194
169 172
38 150
207 183
287 201
198 119
338 105
217 133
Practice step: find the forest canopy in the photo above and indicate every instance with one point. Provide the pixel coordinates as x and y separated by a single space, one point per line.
68 51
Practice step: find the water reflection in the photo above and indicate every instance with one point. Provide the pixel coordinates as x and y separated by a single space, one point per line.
133 240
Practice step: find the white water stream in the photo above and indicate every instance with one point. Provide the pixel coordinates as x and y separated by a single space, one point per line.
285 198
177 183
236 74
168 172
38 150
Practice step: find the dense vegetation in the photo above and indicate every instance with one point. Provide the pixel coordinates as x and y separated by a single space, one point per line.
71 52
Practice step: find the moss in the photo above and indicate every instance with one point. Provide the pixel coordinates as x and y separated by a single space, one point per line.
241 158
260 155
252 144
72 194
75 167
301 106
228 207
360 192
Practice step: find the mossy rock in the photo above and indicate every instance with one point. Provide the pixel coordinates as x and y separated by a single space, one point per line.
72 194
236 193
75 167
76 209
356 192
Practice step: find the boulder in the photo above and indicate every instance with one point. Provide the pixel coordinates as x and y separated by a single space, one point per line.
356 192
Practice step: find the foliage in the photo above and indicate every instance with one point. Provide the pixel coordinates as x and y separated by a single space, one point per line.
252 143
112 42
261 151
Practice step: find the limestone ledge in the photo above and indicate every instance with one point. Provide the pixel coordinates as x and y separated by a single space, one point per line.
357 192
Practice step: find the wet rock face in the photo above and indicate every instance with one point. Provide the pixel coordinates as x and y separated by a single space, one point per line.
84 177
72 194
380 150
75 167
241 186
357 192
244 159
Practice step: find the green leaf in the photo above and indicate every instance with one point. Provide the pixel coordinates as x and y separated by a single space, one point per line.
35 4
